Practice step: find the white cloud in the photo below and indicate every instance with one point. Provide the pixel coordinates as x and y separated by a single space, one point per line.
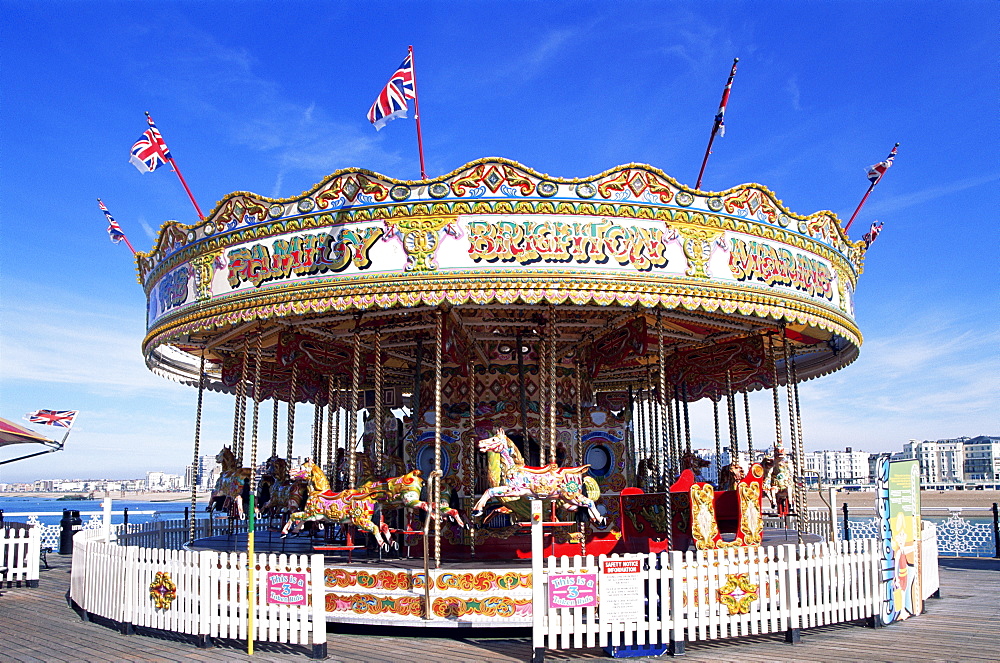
918 197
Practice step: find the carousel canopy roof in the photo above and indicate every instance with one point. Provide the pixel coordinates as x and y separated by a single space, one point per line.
610 267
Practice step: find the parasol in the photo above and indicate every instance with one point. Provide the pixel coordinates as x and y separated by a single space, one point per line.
11 433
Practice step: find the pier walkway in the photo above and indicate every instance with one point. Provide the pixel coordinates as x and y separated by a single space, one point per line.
37 625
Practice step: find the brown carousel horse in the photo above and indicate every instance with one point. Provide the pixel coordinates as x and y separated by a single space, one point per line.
279 495
730 476
570 486
692 461
349 506
231 485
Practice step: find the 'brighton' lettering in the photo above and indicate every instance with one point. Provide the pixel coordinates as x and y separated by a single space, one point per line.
529 242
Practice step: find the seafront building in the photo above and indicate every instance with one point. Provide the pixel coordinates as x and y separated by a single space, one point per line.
955 461
838 467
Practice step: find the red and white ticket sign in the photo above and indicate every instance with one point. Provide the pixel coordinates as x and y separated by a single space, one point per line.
623 598
573 590
286 589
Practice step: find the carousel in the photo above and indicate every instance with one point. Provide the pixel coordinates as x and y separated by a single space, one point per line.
464 343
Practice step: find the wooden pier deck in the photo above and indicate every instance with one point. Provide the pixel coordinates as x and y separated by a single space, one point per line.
36 624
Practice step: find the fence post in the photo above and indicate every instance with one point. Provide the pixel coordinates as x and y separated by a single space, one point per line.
996 531
106 521
539 607
847 527
206 576
317 564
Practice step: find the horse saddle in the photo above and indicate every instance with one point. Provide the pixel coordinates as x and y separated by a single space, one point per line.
555 468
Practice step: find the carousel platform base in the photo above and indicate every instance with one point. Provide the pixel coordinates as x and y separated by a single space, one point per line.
363 588
270 541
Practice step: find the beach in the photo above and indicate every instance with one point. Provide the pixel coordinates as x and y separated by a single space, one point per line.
130 495
942 499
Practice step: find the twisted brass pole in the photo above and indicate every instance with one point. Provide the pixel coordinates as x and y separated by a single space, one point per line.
197 444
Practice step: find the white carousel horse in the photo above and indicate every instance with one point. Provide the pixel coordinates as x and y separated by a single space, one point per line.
510 478
779 479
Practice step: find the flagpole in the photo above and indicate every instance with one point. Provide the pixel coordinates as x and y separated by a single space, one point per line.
871 187
124 237
416 116
173 164
718 121
888 162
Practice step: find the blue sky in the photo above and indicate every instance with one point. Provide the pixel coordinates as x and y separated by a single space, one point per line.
271 97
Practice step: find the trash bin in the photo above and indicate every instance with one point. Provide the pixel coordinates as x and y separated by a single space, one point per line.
68 526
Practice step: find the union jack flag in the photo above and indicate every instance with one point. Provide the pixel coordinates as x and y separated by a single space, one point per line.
720 117
876 172
150 152
114 230
869 237
61 418
391 101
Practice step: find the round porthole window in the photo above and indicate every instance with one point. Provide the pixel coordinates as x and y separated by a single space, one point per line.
425 460
599 459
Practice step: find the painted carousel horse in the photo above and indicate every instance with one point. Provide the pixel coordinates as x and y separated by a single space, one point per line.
692 461
570 486
349 506
234 480
404 492
779 479
278 494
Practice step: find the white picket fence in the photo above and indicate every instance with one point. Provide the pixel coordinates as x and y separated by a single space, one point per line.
20 549
797 586
113 581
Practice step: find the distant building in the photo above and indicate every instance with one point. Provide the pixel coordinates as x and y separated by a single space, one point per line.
837 467
982 458
957 460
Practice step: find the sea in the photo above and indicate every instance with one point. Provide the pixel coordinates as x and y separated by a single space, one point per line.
50 509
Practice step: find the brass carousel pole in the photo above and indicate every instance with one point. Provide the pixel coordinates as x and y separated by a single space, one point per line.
687 419
552 389
197 443
543 406
436 474
643 461
274 424
292 391
352 422
800 452
252 511
579 418
337 441
668 507
379 442
415 399
718 442
331 436
734 442
798 493
746 413
239 411
470 451
317 433
523 394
